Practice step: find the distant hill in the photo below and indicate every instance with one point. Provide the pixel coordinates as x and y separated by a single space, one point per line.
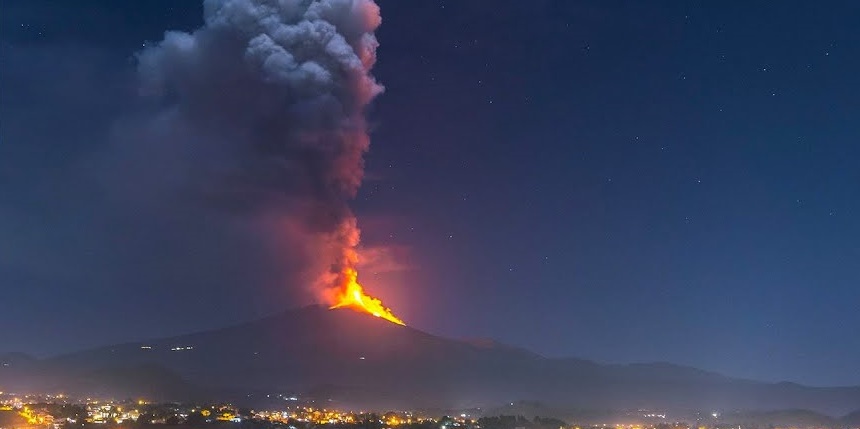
781 418
851 420
358 360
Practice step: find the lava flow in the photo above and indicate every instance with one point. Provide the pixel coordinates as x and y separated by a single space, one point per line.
351 295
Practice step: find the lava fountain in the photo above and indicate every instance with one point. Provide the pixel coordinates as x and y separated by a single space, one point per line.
352 295
339 285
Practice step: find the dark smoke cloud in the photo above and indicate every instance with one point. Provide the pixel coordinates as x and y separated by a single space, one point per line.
266 102
217 173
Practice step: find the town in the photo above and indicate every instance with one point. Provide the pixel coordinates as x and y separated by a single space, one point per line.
60 411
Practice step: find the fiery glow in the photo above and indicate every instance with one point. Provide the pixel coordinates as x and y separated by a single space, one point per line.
351 295
339 285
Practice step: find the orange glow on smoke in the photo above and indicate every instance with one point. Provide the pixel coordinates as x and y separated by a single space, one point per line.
351 295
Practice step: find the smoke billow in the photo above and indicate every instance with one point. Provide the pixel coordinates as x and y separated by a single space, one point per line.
264 108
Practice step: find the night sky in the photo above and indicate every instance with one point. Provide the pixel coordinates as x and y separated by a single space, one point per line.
617 181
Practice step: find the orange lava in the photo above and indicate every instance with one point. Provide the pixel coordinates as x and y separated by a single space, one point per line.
351 295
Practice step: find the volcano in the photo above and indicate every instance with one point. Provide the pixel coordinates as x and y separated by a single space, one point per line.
364 361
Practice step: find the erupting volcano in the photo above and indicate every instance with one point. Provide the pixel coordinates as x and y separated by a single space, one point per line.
351 295
282 88
339 285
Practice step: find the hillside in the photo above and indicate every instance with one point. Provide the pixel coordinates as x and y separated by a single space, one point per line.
362 361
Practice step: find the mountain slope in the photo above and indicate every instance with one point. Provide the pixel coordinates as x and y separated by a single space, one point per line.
369 362
851 420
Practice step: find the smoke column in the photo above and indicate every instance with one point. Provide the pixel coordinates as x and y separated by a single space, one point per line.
264 109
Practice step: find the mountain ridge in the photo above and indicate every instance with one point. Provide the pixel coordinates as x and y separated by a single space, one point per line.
369 362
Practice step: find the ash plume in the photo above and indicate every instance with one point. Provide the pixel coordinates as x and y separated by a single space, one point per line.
261 113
